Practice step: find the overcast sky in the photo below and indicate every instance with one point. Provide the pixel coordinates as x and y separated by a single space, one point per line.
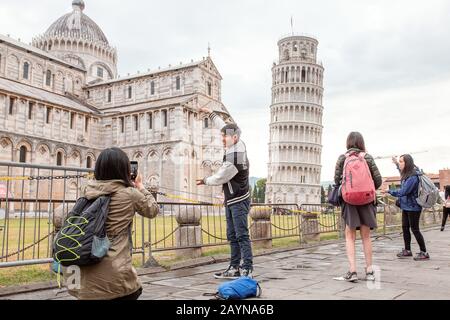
387 63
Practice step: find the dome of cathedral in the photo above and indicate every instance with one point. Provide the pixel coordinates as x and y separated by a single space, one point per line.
77 25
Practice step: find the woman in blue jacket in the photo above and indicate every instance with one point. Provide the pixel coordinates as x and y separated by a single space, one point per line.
411 210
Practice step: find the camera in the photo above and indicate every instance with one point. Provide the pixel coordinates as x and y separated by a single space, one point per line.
134 170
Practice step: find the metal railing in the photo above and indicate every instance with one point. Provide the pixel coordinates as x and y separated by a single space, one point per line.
34 200
328 219
29 196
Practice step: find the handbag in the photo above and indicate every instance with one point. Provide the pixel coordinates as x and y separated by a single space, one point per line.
334 197
447 203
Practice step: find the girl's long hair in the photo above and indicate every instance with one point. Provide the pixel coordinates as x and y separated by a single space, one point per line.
356 140
410 168
113 164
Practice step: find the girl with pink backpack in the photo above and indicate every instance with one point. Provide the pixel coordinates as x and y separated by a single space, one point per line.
358 177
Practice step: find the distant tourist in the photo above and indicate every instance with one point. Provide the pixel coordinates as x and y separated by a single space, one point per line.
358 175
446 209
411 210
115 278
233 176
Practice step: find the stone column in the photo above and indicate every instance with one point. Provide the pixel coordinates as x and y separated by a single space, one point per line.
189 232
261 227
310 227
60 215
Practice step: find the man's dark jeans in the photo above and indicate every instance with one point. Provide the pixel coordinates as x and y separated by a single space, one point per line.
237 234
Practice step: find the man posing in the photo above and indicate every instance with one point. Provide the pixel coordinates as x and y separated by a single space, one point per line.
233 176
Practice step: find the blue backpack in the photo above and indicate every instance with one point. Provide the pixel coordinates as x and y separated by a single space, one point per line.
238 289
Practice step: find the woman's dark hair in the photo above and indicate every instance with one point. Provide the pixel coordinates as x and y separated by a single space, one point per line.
356 140
113 164
447 189
410 168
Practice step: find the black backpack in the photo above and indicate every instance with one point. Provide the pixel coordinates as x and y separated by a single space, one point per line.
82 241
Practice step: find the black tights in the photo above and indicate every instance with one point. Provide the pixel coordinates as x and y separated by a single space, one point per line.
410 220
445 214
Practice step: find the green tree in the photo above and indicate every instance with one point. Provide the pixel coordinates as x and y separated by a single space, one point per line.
254 194
261 194
324 196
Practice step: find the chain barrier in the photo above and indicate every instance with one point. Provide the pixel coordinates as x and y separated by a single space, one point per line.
27 247
50 178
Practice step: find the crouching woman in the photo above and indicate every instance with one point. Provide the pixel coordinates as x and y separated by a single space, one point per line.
115 278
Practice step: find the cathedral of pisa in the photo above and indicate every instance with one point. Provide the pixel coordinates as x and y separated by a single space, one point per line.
62 102
295 146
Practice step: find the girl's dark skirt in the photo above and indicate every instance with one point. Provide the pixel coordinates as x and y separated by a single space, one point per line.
356 216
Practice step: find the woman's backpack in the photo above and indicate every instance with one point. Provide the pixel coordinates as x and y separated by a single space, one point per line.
238 289
82 240
358 187
428 193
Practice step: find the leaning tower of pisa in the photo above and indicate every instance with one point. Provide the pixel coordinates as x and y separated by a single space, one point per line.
296 123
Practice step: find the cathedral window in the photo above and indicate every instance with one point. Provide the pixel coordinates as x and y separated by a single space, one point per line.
26 70
89 162
86 124
88 94
100 72
48 78
130 92
152 88
72 120
150 121
122 125
59 159
12 102
136 123
209 88
164 118
47 117
206 123
30 110
23 154
109 95
178 83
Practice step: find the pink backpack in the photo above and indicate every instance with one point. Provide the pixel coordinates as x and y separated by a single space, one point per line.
358 187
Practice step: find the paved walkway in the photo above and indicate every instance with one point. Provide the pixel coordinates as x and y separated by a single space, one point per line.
308 274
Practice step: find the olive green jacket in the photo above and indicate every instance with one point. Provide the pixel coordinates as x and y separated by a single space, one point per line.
115 276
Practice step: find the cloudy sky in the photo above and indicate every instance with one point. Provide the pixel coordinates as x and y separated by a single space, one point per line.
387 62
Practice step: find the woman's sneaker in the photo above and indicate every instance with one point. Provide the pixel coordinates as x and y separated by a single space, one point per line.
349 277
230 273
422 256
404 254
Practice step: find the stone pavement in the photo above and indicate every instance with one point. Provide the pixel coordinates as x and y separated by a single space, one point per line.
305 274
